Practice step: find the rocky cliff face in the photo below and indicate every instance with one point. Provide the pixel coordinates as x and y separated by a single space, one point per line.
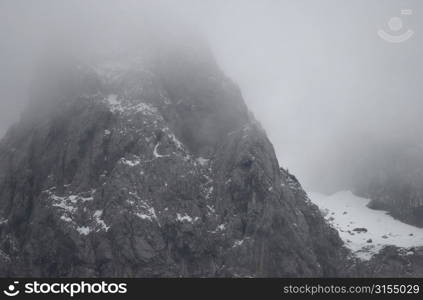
156 169
152 170
392 262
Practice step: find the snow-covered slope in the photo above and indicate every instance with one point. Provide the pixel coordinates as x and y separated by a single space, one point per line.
365 231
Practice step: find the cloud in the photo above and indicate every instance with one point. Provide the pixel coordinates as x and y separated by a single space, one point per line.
315 73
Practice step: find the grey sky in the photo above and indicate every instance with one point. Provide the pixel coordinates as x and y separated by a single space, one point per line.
325 86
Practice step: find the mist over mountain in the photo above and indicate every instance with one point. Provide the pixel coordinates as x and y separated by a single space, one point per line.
152 167
316 74
132 148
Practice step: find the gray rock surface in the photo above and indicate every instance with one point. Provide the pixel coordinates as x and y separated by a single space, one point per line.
393 262
136 169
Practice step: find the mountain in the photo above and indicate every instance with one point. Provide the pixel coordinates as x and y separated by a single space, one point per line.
395 184
135 167
151 168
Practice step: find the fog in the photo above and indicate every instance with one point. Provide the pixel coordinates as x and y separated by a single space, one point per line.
330 92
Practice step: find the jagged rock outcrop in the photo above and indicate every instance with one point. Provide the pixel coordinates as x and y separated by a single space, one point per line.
152 169
392 261
156 168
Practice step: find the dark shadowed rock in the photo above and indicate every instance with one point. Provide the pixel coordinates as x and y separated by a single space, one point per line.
136 169
392 261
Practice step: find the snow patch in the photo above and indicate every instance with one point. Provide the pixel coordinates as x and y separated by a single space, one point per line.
131 163
365 231
63 203
211 209
66 219
178 143
156 153
143 210
97 217
144 108
113 101
186 217
69 207
209 192
149 215
219 228
117 104
83 230
238 243
203 161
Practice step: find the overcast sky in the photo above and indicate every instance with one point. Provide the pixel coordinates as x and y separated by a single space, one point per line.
315 73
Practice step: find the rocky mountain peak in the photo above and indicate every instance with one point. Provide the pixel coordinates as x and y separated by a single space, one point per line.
152 169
